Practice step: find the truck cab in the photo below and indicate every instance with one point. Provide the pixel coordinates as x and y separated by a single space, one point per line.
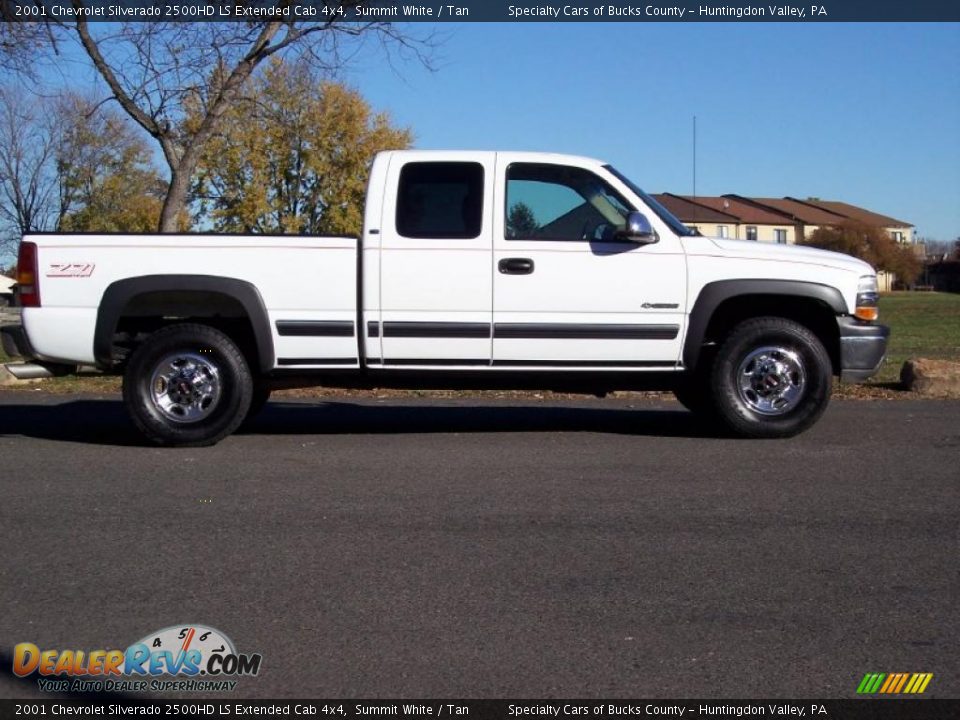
516 260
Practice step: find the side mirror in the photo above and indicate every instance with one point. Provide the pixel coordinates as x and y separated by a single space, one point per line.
638 230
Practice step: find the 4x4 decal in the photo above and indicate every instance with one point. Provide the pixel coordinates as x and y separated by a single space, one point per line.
70 270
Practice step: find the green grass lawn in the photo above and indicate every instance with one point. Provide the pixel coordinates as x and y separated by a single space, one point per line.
921 324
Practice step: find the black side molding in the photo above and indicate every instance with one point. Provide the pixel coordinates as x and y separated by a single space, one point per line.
585 331
315 328
436 329
715 293
537 331
483 362
119 294
283 362
662 364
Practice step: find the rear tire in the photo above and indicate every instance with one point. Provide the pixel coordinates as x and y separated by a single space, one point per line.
771 379
258 400
187 385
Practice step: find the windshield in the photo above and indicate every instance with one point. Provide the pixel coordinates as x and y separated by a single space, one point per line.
678 227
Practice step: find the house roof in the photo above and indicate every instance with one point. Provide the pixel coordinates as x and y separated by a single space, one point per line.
744 211
855 213
688 211
770 211
794 210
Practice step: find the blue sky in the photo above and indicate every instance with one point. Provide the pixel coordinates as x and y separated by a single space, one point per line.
864 113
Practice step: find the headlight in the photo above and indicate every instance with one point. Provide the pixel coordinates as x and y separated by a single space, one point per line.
867 297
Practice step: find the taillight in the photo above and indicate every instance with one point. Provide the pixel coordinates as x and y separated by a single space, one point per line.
28 276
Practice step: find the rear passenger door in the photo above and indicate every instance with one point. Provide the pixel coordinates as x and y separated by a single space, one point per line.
436 289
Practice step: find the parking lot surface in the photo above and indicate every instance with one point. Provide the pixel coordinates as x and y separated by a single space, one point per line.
493 548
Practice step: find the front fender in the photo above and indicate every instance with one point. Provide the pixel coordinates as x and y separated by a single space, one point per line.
714 294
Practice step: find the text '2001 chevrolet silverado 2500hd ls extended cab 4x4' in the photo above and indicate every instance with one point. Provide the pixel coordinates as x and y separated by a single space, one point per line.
474 270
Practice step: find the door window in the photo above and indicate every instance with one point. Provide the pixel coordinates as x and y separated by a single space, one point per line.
556 202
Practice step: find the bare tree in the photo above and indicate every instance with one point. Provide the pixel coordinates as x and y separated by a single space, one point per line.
20 41
29 184
153 70
940 249
70 162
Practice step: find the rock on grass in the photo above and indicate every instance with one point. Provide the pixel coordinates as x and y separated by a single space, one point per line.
931 378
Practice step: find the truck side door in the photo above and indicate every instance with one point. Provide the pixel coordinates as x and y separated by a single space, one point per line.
436 290
567 293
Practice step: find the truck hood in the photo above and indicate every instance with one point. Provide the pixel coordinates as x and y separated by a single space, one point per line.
789 253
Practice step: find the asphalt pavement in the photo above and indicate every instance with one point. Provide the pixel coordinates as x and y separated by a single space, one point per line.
493 548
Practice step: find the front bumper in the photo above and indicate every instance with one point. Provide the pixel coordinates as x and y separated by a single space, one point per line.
15 342
862 348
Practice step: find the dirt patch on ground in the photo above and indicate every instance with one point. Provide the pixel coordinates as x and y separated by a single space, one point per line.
92 382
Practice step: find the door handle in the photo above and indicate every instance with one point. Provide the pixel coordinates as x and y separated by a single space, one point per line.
515 266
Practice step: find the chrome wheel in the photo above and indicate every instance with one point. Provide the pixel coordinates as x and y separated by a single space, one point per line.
771 380
185 387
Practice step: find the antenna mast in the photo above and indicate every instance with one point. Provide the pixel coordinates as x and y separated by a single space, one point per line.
694 168
694 158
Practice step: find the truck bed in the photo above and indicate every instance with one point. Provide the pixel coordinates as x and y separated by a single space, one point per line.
308 286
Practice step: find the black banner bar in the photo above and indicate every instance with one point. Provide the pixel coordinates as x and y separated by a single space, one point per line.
679 11
873 709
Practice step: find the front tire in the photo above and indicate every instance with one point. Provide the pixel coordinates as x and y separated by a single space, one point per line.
771 379
693 390
187 385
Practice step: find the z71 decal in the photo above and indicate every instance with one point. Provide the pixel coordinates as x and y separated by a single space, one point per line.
70 269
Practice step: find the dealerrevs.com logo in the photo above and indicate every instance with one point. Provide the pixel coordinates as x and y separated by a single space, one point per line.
177 658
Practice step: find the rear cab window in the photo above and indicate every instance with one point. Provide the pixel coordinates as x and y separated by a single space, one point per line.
440 200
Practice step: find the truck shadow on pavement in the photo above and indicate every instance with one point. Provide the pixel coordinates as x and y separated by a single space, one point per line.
104 422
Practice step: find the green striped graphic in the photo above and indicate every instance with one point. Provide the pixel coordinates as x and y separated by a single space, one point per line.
871 683
896 683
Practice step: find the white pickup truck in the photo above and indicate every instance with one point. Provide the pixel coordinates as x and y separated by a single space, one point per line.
475 270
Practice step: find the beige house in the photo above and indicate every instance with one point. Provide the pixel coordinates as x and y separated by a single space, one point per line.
6 290
805 219
731 216
781 220
809 215
898 229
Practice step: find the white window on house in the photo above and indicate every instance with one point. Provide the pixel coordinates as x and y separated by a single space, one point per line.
897 235
752 232
722 231
780 236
